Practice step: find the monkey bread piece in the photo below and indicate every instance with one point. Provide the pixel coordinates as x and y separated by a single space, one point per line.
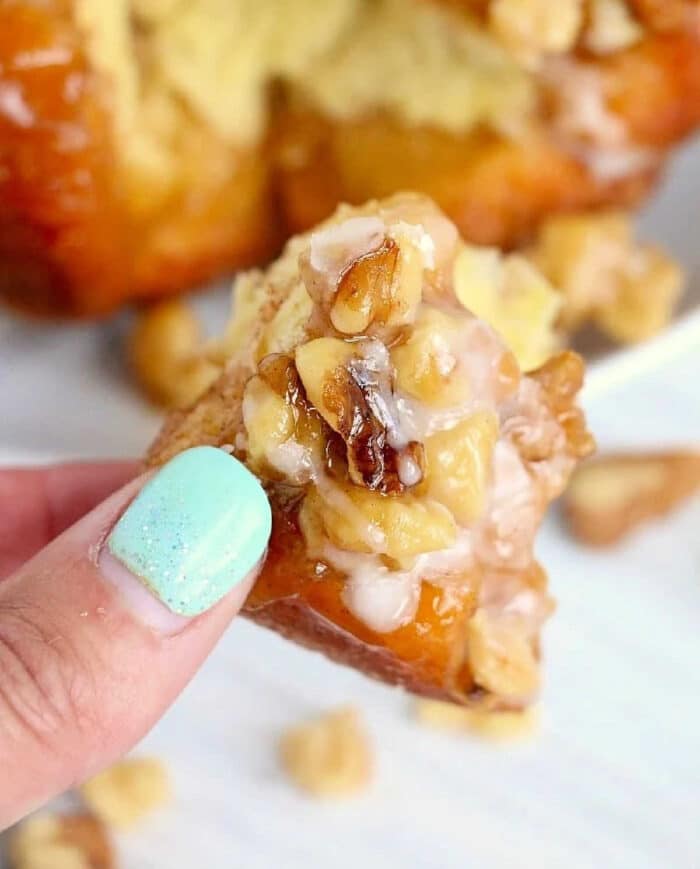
407 456
147 146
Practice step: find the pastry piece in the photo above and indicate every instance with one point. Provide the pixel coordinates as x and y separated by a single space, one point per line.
148 146
610 496
57 841
329 757
407 457
127 791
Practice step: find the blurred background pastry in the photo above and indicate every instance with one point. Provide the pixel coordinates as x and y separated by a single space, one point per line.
147 146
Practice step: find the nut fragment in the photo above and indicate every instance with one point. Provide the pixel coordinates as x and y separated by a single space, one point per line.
167 355
611 26
366 290
269 421
645 298
491 724
317 363
459 465
427 364
328 757
350 383
534 27
612 495
626 288
127 791
361 521
523 308
502 658
53 841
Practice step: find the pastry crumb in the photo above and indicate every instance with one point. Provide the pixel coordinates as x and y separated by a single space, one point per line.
126 792
167 355
329 756
58 841
610 496
499 726
607 277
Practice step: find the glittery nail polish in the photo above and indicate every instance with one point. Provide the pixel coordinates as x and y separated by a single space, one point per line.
196 529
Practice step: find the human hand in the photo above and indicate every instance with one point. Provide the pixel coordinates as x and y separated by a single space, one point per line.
103 622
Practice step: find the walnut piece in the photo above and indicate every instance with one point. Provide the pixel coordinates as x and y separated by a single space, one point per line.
531 28
514 299
611 26
330 756
127 791
501 657
610 496
491 724
624 287
55 841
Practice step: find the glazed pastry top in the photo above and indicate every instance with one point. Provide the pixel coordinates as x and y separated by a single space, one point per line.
399 425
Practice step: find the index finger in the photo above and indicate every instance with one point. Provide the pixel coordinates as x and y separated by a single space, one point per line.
37 504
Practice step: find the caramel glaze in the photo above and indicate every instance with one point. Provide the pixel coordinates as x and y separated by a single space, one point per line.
59 219
302 599
426 656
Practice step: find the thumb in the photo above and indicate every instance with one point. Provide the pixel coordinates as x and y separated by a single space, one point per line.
102 629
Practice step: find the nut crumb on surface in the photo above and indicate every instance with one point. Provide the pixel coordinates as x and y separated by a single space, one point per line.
612 495
167 354
329 756
496 725
124 793
58 841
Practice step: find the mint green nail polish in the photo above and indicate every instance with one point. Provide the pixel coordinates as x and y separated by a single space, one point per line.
195 530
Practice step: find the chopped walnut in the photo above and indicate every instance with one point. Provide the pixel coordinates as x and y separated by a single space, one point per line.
127 791
365 290
611 26
57 841
531 28
501 656
491 724
351 385
330 756
514 298
610 496
167 355
626 288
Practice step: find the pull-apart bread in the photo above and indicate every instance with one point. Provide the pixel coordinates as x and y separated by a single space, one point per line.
149 145
407 455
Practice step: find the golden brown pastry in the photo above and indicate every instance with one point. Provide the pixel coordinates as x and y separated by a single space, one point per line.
407 456
149 145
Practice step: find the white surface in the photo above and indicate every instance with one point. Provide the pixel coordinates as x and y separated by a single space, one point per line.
611 780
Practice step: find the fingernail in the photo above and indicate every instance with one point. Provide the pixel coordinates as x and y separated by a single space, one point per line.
196 530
